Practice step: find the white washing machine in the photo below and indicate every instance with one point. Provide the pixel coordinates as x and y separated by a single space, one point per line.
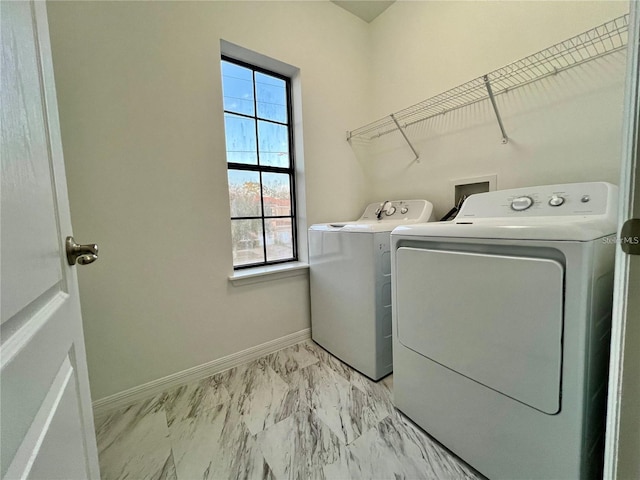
350 280
501 329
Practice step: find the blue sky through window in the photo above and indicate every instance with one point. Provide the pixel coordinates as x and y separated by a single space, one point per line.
238 86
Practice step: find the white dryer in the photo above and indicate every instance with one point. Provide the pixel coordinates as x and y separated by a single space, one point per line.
501 329
350 281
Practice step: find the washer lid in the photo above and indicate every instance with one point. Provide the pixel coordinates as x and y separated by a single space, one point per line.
359 226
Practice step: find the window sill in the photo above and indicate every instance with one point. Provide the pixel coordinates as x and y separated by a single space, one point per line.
267 273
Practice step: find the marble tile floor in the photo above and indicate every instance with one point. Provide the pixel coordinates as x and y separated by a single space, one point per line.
298 413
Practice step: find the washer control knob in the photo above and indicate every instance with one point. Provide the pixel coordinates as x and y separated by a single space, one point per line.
585 198
390 211
404 210
556 200
521 203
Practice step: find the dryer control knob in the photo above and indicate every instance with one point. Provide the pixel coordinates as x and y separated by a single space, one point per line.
390 211
404 210
556 200
521 203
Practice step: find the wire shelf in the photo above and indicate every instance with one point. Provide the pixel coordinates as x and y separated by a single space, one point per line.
602 40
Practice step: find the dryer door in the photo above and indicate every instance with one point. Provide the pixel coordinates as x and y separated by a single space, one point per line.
494 319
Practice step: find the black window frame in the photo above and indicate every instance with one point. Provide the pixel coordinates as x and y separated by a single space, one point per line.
290 170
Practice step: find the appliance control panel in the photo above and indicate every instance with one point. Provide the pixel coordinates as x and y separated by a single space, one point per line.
394 210
593 198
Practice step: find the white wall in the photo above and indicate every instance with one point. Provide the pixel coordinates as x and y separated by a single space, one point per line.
563 129
141 113
142 126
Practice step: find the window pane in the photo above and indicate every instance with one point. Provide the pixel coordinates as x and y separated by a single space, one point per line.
279 239
237 88
240 134
277 194
274 144
244 193
258 135
272 98
246 237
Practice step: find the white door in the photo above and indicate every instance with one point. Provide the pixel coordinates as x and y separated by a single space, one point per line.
622 453
46 419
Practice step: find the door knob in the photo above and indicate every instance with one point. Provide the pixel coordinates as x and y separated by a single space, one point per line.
82 254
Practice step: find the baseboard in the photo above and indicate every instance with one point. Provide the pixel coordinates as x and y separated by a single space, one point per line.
103 406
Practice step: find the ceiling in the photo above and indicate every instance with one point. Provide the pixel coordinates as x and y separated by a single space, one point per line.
367 10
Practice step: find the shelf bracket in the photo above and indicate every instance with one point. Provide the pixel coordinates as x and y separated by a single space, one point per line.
405 137
487 84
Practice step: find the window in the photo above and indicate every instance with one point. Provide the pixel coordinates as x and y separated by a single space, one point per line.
259 139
